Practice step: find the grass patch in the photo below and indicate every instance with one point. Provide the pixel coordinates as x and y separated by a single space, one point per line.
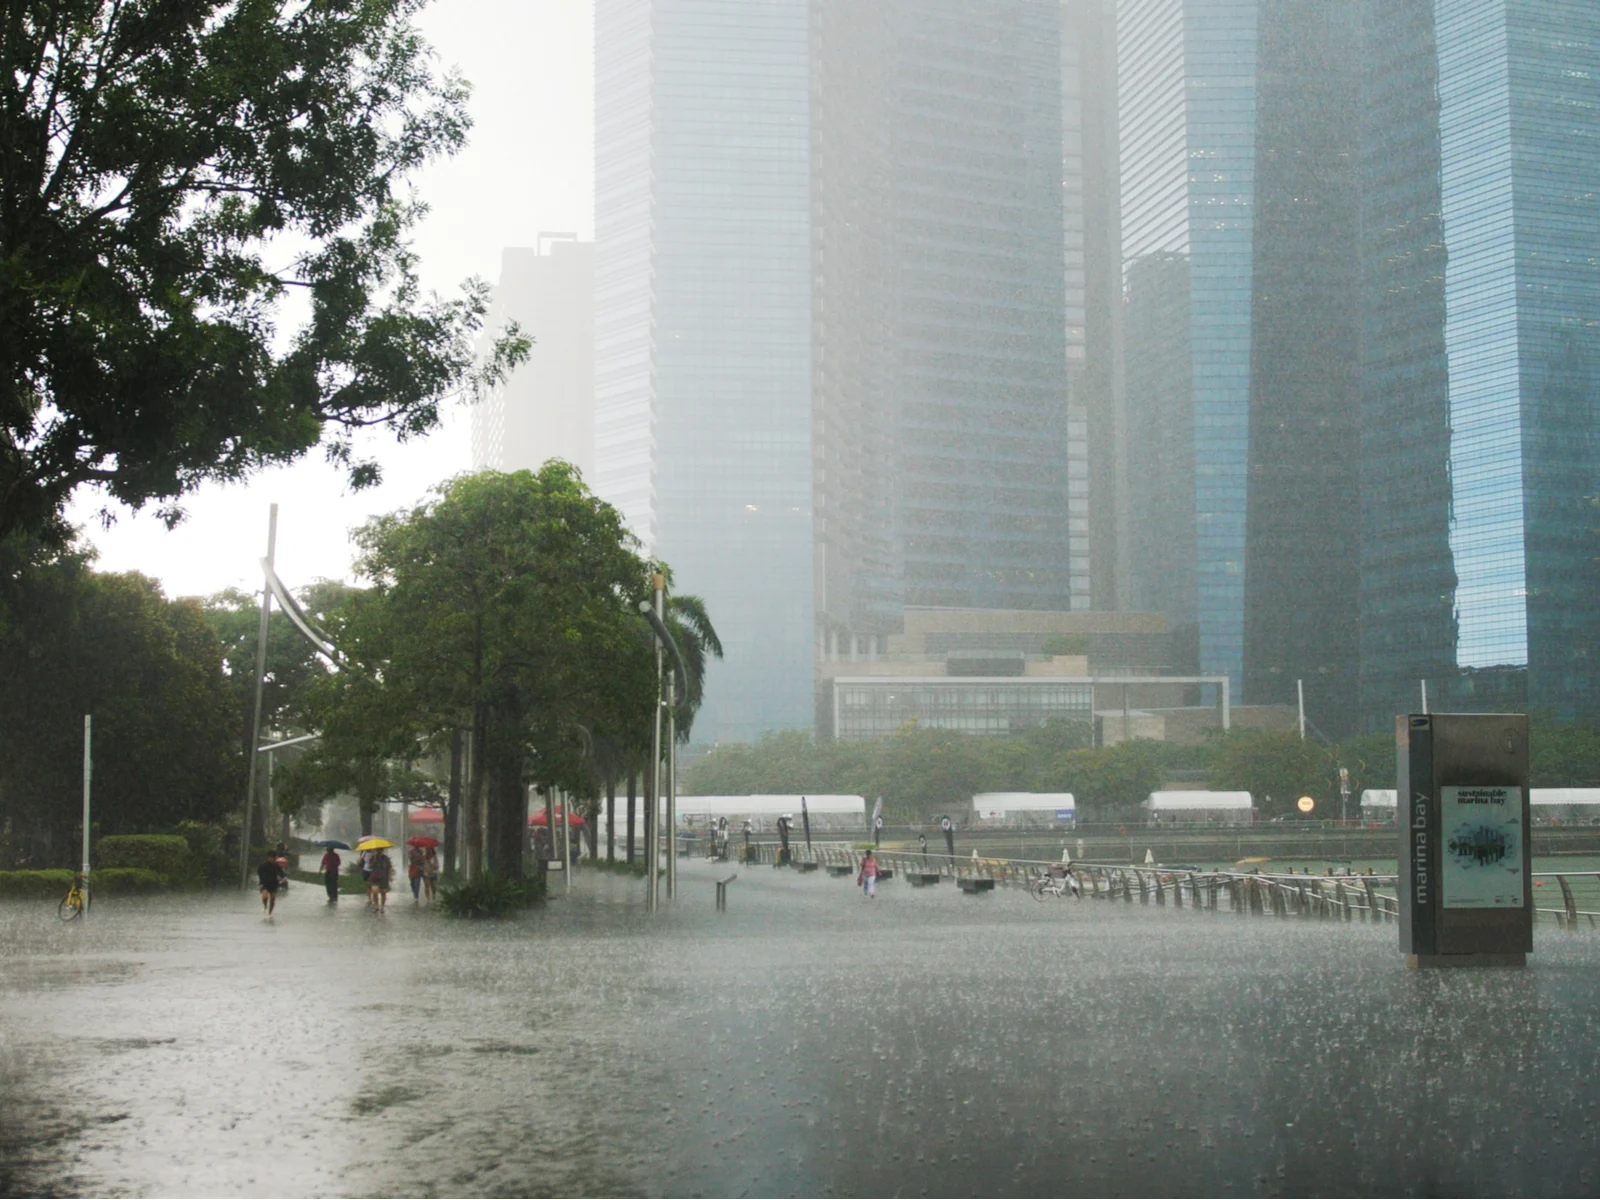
490 896
617 867
349 885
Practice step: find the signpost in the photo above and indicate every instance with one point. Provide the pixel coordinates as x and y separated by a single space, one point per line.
1466 887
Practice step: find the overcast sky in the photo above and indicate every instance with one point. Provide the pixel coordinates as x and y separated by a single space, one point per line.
528 168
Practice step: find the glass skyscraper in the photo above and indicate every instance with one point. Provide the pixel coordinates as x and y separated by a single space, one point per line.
1187 94
703 326
1481 371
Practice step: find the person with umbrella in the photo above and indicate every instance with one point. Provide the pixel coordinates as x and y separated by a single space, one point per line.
423 865
331 862
414 869
380 873
430 873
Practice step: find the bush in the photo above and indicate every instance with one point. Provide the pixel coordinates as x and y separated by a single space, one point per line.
163 853
114 881
125 881
490 896
619 866
210 859
35 883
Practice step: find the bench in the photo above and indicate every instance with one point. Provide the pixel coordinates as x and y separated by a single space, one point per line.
840 872
805 866
924 878
974 887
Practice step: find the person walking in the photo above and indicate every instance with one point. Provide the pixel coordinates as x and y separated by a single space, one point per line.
414 872
270 875
868 878
366 865
378 881
331 862
430 874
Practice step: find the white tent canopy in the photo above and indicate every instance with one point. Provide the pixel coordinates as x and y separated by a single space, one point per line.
1024 806
1379 798
833 809
1162 802
1584 798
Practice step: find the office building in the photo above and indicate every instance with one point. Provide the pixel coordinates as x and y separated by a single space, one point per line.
703 326
1303 501
545 408
951 469
1481 362
1186 83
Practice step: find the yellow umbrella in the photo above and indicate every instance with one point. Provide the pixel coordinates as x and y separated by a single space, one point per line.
374 843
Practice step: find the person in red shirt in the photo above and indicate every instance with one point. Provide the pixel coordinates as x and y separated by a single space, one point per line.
868 878
331 862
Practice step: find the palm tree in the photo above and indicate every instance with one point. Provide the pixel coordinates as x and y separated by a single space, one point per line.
691 628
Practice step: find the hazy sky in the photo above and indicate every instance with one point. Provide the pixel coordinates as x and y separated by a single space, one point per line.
527 168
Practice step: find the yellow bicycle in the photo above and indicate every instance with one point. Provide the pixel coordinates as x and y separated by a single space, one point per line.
76 902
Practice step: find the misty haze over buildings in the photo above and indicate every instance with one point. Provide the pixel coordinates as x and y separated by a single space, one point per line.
1265 331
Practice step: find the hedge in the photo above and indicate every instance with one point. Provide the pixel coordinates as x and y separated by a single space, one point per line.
113 881
163 853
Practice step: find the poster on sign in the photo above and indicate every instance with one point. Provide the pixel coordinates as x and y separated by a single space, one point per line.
1482 856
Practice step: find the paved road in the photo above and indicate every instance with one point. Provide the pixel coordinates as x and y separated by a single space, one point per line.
807 1042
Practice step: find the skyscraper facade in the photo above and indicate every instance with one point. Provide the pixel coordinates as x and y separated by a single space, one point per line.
1481 394
949 463
703 329
545 408
1187 93
1302 543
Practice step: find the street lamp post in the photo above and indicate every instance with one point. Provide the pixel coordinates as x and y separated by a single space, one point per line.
255 720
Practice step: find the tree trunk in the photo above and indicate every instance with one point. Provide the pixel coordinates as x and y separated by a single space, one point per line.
366 818
633 790
611 819
508 819
452 808
473 810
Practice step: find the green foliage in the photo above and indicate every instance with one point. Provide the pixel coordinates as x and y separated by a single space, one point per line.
1275 768
923 773
126 881
213 852
349 885
490 896
618 866
1562 753
174 172
53 883
166 737
165 854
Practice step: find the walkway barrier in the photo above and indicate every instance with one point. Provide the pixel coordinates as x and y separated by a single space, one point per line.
1365 898
722 891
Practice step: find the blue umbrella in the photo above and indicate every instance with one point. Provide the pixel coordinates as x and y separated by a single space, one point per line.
332 845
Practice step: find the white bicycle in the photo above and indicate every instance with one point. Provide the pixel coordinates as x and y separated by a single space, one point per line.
1058 886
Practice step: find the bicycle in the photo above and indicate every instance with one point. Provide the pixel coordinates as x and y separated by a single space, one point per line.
76 901
1054 885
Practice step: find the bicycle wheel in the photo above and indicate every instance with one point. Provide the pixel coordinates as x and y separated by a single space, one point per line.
71 906
1039 888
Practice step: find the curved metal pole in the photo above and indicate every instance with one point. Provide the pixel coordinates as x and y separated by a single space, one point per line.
255 721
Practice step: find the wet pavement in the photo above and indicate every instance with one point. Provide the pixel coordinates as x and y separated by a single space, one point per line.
806 1042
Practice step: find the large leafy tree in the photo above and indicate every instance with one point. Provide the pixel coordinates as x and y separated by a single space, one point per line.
172 173
148 669
507 606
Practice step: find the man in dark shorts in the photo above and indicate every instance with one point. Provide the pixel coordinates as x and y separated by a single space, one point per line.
270 875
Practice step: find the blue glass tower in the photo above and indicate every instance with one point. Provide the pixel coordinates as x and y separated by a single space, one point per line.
1187 93
1481 392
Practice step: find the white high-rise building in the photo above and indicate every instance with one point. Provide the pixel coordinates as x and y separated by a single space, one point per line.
545 409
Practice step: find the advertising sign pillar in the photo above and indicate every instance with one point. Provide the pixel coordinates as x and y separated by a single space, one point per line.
1466 858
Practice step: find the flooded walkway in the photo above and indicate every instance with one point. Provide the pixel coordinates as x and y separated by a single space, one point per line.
805 1042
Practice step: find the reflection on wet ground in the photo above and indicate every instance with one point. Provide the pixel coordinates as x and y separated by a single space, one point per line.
806 1042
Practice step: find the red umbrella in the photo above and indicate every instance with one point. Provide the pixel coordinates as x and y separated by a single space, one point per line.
427 816
538 818
422 842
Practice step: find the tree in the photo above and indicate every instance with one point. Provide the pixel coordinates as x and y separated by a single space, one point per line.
170 173
508 606
148 669
1275 768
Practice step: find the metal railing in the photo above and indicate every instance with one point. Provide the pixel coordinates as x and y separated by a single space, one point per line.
1349 897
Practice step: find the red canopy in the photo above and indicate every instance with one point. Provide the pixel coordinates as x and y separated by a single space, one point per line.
427 816
537 817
